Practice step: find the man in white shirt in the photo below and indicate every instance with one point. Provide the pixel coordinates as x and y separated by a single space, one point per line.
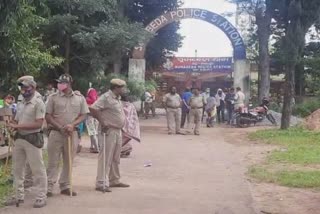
149 104
239 98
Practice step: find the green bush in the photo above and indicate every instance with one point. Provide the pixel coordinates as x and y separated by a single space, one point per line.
306 108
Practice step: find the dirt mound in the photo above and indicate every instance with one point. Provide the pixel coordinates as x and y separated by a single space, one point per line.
313 121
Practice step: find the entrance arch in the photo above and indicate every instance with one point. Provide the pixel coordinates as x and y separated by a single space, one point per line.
137 64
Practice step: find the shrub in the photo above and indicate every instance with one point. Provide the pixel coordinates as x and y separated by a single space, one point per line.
306 108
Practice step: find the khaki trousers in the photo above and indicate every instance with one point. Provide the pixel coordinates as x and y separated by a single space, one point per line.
195 117
112 149
28 180
25 152
174 120
57 147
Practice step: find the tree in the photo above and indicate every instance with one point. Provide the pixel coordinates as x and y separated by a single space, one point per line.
296 17
262 12
91 35
21 47
167 40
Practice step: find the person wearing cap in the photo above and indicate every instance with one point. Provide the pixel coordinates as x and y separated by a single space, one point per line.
28 143
196 103
65 110
28 180
108 110
172 103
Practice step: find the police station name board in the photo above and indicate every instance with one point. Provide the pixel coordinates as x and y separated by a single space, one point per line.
195 64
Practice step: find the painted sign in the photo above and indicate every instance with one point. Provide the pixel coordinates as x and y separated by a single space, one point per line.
199 64
205 15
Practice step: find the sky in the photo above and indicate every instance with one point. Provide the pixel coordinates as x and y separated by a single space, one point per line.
207 39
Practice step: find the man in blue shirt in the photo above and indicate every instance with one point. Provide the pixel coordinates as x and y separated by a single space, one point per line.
185 107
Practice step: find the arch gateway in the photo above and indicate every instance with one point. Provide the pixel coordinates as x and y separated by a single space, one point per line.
137 64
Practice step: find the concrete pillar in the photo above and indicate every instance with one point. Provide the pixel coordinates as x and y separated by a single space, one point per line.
137 70
242 76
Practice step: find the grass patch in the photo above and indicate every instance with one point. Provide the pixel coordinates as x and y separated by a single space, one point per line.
299 148
288 137
296 154
296 179
5 185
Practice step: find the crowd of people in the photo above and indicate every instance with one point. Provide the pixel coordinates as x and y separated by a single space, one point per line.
193 106
111 120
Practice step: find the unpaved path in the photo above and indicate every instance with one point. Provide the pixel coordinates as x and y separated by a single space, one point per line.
189 175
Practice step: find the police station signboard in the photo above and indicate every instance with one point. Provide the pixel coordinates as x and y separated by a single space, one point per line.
199 64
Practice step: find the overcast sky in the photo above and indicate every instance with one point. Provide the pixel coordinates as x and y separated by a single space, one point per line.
202 36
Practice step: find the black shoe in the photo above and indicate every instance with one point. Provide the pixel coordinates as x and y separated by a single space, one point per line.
13 202
101 189
68 193
49 194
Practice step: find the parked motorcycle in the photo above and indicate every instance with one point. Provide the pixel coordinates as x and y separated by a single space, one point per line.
245 119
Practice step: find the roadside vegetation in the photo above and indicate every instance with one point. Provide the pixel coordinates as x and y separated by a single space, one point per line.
296 163
5 183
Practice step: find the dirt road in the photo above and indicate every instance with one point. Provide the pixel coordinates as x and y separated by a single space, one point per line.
189 175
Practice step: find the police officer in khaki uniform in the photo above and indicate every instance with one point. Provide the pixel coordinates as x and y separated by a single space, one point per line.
109 112
172 103
28 181
29 141
65 110
196 103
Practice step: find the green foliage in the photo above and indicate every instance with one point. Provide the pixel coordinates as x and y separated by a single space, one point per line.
306 108
167 39
5 185
21 47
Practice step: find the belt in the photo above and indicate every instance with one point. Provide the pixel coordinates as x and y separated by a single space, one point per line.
197 107
58 130
174 107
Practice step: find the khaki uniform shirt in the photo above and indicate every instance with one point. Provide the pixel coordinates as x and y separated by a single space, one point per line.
172 100
65 109
29 112
197 101
111 110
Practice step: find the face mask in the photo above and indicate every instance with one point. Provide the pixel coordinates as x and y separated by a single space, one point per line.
62 86
27 93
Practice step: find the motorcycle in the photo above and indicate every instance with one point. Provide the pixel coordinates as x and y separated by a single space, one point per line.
244 118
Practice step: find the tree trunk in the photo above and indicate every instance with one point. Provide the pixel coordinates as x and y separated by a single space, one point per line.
67 55
300 79
288 96
263 21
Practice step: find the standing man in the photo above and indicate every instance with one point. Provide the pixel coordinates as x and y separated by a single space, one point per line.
205 95
28 180
230 104
28 143
220 99
196 103
66 109
108 110
239 100
50 90
149 104
172 103
185 108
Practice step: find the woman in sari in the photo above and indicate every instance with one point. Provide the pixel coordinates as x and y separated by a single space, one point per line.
92 123
131 129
